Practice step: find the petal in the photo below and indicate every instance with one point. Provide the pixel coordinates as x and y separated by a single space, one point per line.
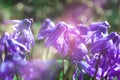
100 45
15 46
96 25
90 70
11 22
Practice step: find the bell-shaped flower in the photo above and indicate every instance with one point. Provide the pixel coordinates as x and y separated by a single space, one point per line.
91 70
58 38
78 52
23 32
98 30
7 70
103 43
3 39
14 46
96 25
47 27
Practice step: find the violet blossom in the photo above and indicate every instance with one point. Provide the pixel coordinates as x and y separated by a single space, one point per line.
22 33
46 28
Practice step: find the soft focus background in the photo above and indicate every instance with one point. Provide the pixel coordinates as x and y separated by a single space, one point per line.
71 11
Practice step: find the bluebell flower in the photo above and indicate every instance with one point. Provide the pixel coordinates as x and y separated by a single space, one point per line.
46 28
108 48
78 73
10 67
79 50
58 38
40 70
103 43
98 30
3 39
23 33
96 25
29 70
7 70
14 46
91 70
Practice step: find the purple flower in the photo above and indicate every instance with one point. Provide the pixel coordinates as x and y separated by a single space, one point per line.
47 27
98 30
3 39
58 38
7 70
79 50
29 70
108 49
14 46
97 25
10 47
83 34
91 70
40 70
114 71
23 33
103 43
83 29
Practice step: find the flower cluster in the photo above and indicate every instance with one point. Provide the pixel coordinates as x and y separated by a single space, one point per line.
96 51
90 48
14 49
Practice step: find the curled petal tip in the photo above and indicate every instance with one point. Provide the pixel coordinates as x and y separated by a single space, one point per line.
11 22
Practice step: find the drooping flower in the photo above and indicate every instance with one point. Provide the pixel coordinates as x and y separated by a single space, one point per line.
98 30
47 27
58 38
96 25
22 33
103 56
79 50
91 70
103 43
14 46
3 39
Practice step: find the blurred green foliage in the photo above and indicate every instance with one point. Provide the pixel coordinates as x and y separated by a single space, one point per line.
40 9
